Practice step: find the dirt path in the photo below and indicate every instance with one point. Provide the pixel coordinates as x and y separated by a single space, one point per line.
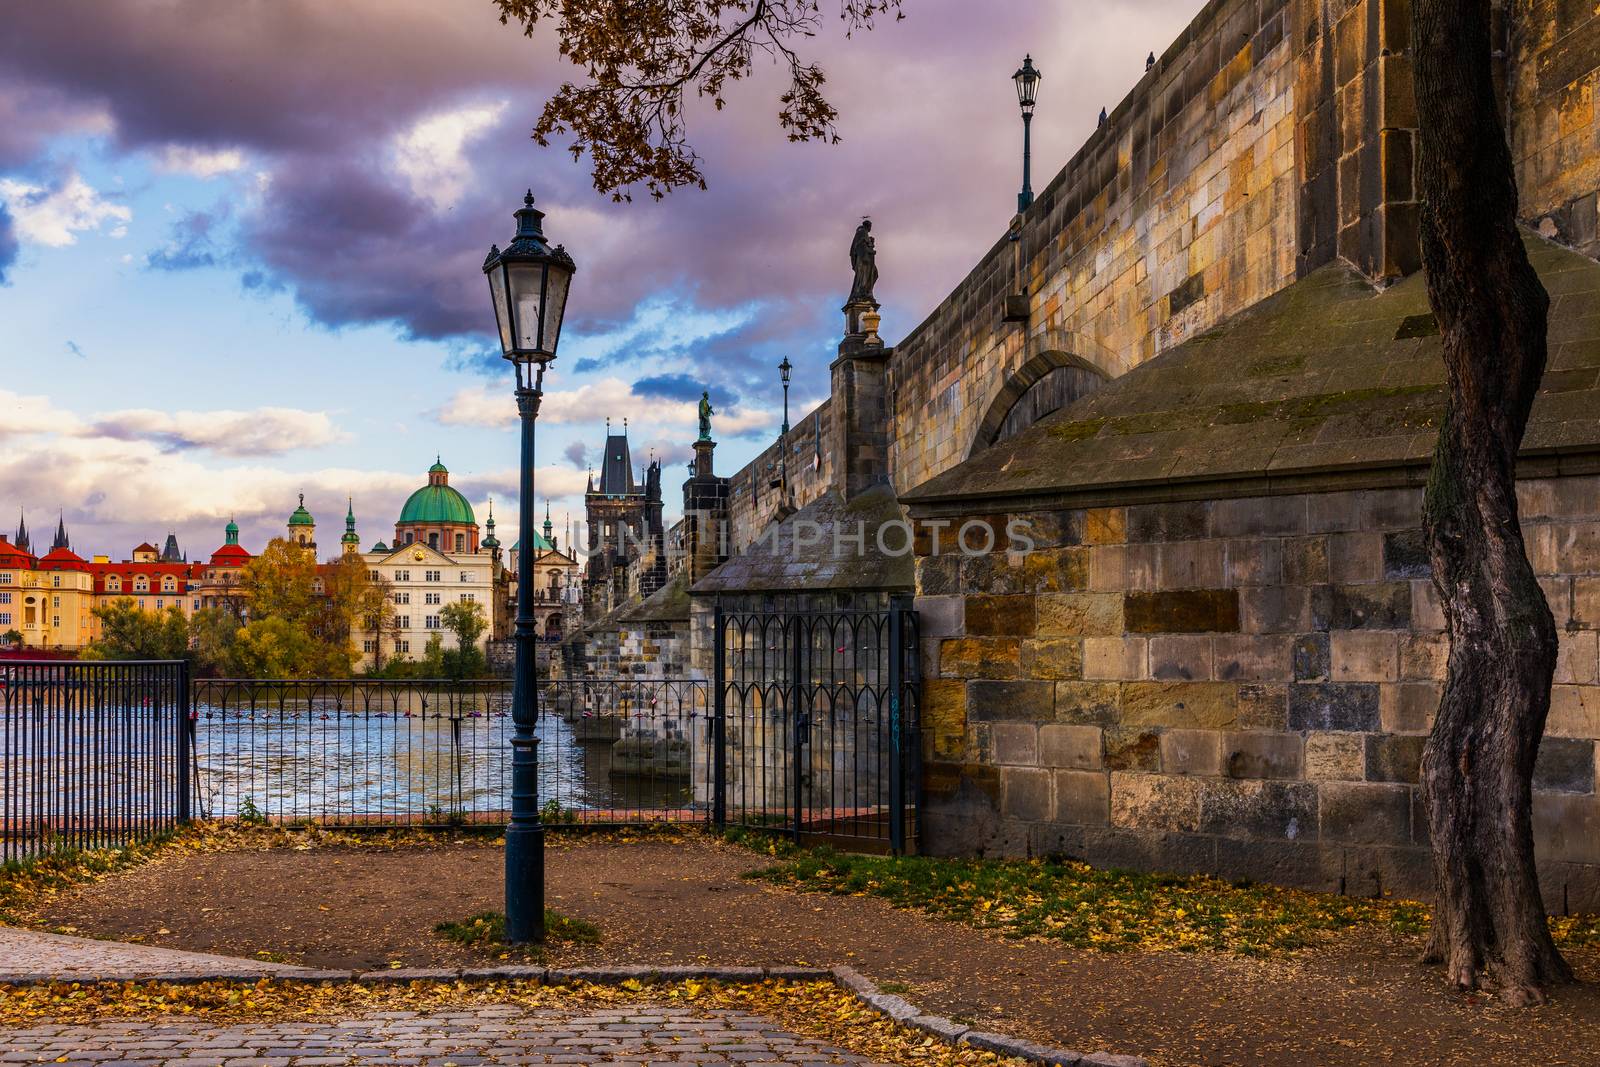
1359 1002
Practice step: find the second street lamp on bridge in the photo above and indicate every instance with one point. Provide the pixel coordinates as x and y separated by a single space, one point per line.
1027 80
528 283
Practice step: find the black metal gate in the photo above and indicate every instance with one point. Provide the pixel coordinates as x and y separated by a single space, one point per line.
815 723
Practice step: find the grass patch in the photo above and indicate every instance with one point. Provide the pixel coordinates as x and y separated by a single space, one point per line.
774 842
1111 910
1116 910
487 930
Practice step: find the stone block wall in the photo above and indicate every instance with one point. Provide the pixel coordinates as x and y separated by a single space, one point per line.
636 650
1357 138
753 503
1554 71
1238 686
653 650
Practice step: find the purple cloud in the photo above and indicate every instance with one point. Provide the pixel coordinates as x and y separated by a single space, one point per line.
369 214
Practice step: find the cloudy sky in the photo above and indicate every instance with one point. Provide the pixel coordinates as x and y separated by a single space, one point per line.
240 246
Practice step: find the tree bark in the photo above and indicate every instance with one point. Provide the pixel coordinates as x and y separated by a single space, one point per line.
1489 926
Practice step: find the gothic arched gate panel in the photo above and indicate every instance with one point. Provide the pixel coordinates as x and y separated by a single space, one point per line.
815 723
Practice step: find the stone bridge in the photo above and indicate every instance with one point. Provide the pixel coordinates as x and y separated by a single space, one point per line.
1271 138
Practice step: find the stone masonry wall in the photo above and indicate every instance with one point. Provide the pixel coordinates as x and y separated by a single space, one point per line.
1555 127
753 502
1238 686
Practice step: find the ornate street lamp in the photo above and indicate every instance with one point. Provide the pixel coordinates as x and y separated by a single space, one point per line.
1027 79
783 372
528 283
783 440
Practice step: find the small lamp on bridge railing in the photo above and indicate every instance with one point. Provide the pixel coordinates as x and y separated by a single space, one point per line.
1027 80
528 283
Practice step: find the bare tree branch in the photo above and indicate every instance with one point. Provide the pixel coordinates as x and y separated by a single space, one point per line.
640 58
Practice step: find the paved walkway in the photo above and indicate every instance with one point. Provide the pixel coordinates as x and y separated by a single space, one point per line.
30 954
638 1034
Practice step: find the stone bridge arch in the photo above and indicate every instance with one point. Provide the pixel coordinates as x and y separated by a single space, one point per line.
1052 378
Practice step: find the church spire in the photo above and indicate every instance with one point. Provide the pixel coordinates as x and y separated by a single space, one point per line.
490 541
21 540
61 534
350 541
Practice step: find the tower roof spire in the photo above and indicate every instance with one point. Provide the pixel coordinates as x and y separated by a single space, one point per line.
350 537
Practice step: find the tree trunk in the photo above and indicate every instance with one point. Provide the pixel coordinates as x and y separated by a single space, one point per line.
1489 925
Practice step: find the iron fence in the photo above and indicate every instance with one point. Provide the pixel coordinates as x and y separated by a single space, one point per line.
92 754
815 723
392 753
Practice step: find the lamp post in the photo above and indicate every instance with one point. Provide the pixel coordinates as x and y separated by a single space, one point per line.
1027 79
528 283
783 440
783 372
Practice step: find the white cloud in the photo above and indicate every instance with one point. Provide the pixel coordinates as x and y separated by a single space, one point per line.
485 405
56 217
258 432
430 154
24 415
261 432
127 476
199 162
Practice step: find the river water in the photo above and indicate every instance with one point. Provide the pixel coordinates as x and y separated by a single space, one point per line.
407 766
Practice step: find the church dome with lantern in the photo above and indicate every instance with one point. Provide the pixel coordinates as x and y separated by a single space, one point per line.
438 516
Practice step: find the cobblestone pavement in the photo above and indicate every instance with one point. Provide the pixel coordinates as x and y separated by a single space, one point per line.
637 1034
32 953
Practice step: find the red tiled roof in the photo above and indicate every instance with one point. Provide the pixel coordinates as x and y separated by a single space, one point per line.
230 555
62 559
147 547
12 556
152 571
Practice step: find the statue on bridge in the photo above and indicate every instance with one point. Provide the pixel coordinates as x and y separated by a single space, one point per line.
706 411
864 262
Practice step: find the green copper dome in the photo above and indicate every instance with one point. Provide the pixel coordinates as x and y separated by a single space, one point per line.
301 516
436 503
433 504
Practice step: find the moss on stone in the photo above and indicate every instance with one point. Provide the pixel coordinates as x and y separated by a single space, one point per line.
1077 431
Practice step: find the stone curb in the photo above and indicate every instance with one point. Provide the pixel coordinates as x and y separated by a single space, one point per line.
847 978
954 1033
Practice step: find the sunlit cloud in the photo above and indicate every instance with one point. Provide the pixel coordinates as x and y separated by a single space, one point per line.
429 155
261 432
55 217
485 405
199 162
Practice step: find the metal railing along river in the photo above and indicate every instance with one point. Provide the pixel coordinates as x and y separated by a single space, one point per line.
92 754
392 753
